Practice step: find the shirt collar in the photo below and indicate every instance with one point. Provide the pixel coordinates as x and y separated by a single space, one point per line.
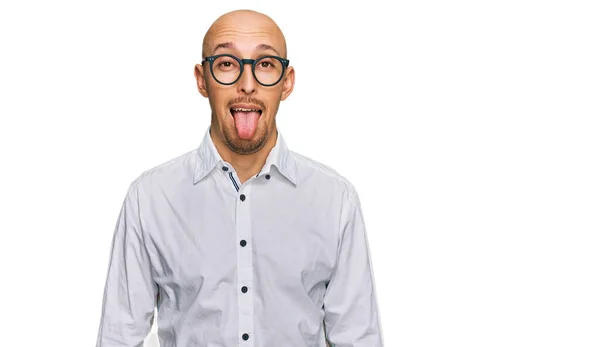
208 159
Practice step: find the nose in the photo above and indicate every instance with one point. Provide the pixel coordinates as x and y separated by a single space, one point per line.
247 83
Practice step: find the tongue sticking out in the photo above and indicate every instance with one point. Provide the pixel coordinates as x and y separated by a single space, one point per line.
246 123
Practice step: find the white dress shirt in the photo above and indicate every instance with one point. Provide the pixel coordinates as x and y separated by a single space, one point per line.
279 261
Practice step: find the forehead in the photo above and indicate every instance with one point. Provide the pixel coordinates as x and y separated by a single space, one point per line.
246 35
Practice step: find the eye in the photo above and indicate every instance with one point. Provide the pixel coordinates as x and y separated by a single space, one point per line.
226 63
266 63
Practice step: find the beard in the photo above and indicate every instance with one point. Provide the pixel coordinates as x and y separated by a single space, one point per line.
244 146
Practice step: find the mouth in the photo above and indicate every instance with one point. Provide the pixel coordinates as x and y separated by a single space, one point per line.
245 110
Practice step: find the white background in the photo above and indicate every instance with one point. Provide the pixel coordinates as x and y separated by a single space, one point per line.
469 128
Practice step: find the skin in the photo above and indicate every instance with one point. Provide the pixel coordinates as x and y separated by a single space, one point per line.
245 30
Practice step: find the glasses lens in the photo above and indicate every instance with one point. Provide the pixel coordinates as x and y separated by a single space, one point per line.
268 70
226 69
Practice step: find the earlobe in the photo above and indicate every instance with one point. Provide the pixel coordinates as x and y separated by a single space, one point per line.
200 80
288 83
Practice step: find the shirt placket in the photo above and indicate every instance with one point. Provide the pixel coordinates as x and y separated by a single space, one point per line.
244 265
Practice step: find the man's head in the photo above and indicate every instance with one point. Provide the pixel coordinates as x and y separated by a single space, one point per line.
244 34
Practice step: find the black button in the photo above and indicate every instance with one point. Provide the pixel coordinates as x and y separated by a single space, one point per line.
225 168
243 243
245 337
242 197
268 176
244 289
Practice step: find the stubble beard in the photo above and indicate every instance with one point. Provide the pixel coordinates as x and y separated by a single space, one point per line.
243 146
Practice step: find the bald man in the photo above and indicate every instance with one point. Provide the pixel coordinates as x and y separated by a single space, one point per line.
241 242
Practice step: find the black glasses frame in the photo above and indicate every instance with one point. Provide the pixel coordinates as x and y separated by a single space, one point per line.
242 62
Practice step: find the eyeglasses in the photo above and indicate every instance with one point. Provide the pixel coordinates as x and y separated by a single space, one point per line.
227 69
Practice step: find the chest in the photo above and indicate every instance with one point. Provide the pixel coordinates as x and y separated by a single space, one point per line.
206 241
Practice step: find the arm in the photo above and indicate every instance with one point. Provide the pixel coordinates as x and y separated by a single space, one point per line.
129 292
351 308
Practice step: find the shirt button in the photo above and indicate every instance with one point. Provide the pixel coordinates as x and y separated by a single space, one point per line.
225 168
244 289
245 337
268 176
242 197
243 243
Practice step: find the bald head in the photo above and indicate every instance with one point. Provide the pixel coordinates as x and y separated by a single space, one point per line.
227 29
244 34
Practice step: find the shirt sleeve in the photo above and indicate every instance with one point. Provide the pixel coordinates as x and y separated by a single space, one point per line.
129 292
350 304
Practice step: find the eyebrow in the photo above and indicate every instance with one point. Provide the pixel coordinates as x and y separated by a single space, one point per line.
260 47
223 45
265 47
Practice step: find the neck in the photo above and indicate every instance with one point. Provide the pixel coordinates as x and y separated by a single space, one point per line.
245 165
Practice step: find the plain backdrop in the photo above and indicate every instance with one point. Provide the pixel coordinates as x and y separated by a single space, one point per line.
470 130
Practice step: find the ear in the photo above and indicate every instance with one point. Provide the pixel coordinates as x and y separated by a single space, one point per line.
200 80
288 83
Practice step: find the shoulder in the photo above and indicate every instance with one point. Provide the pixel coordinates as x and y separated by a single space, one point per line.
325 175
165 174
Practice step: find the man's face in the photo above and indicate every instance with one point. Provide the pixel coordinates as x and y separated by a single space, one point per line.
246 36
